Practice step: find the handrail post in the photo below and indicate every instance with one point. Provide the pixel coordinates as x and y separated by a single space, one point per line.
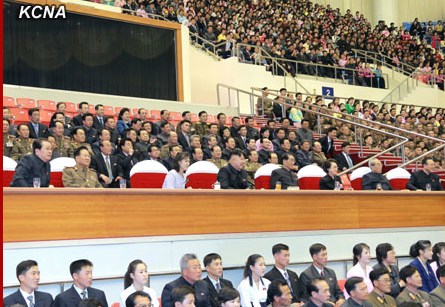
402 148
217 94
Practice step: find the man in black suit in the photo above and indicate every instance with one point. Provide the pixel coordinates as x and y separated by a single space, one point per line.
28 275
319 293
109 171
285 174
327 142
233 176
344 160
83 109
214 268
82 274
375 180
241 139
280 272
420 179
280 295
126 157
190 276
99 118
36 129
318 269
184 134
252 132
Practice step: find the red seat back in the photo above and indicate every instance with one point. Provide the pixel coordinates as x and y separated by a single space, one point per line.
7 177
201 180
262 182
147 180
56 179
356 183
309 183
398 183
47 105
20 115
8 101
26 103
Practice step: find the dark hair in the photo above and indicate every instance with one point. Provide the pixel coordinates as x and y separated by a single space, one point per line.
406 272
437 248
184 121
130 301
7 120
76 266
32 110
277 248
327 164
165 123
377 273
37 144
179 293
201 113
135 120
274 289
90 302
20 125
130 270
241 127
419 245
83 103
316 248
185 113
60 103
227 294
84 116
78 150
351 283
440 272
98 106
344 144
251 260
219 115
237 152
74 131
122 111
210 257
425 160
24 266
330 129
151 147
104 129
357 252
123 141
163 112
381 251
312 286
53 117
179 157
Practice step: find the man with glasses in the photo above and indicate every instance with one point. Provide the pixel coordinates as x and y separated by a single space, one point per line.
80 175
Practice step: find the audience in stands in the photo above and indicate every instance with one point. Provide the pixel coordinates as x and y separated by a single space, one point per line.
438 257
175 178
412 293
422 251
438 295
253 288
386 258
357 291
382 285
228 297
138 299
361 268
80 175
216 284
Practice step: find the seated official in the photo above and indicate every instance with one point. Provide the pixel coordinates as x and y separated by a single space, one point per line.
28 275
420 179
375 180
33 166
175 178
80 175
285 174
344 160
328 181
358 293
382 287
319 295
438 294
279 295
214 280
411 293
137 299
233 176
109 171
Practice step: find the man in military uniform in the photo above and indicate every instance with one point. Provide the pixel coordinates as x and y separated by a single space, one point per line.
411 293
22 145
201 127
8 140
382 285
80 175
216 157
63 143
78 140
172 140
252 166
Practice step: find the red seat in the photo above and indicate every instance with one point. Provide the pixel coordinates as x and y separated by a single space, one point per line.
20 115
341 284
309 177
91 109
109 111
9 166
115 304
211 118
262 176
195 117
148 174
176 116
26 103
345 181
155 114
45 117
71 107
8 101
398 178
356 177
57 166
47 105
201 175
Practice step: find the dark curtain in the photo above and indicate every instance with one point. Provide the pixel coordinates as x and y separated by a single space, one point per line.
89 54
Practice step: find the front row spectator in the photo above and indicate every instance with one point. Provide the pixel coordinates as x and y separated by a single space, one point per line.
28 274
358 292
34 166
233 176
331 181
438 295
80 175
135 280
420 179
285 174
175 178
82 274
319 294
382 285
228 296
411 293
138 299
375 180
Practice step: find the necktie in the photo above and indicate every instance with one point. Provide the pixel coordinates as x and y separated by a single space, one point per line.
322 274
31 302
288 281
218 287
110 172
84 295
36 129
101 120
350 164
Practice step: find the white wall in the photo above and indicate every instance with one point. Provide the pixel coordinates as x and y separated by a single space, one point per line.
162 254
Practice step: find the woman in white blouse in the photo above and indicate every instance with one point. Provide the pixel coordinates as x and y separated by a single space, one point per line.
253 288
135 279
175 178
361 268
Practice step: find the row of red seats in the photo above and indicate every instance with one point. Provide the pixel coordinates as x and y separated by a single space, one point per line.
19 108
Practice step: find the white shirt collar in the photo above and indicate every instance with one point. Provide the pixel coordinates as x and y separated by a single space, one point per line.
25 296
79 291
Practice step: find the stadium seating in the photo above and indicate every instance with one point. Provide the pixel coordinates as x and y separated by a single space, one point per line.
47 105
398 178
57 166
8 101
26 103
262 176
356 177
309 177
201 175
148 174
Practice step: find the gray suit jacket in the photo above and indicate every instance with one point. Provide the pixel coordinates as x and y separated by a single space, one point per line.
438 296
